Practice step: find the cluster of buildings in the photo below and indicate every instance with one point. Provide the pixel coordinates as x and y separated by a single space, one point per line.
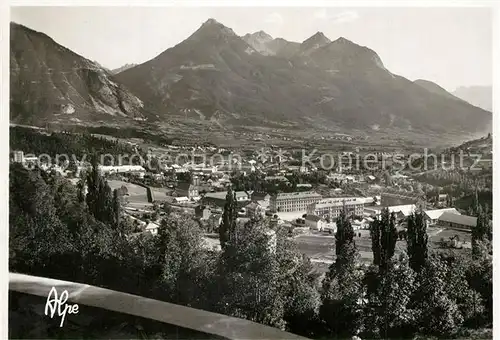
48 164
446 218
137 170
30 161
318 212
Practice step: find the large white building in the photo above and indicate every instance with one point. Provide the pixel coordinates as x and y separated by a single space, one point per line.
293 201
18 156
110 169
401 211
331 207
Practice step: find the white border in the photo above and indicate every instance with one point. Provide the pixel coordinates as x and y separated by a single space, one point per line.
4 170
259 3
4 95
496 169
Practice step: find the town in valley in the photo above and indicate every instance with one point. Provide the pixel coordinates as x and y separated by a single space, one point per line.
302 187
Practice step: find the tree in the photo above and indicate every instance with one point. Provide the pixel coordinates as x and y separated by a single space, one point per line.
436 311
123 190
479 275
375 233
449 200
81 186
384 236
228 225
417 240
38 240
388 312
186 177
99 196
71 166
388 179
345 233
481 233
341 287
117 209
181 262
248 281
298 285
469 301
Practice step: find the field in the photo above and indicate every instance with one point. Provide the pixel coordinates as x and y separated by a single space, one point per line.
320 247
161 194
436 234
447 233
137 195
316 245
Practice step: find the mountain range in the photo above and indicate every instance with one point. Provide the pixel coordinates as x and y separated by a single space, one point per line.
220 78
122 68
480 96
435 88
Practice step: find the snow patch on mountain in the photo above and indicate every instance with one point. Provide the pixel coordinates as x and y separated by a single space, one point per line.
68 109
249 50
200 114
326 100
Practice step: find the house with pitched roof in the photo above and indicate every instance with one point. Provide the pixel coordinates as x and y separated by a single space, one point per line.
432 216
456 221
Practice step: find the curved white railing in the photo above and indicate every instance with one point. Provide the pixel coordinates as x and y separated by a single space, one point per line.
198 320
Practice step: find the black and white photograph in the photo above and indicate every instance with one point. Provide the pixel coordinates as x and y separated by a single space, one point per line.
245 171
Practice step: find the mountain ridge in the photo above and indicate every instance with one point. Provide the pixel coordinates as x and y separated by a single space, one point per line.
480 96
435 88
49 82
122 68
220 78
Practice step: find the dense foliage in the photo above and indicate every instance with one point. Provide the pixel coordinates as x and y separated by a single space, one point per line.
77 147
57 231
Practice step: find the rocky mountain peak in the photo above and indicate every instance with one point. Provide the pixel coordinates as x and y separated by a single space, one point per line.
343 40
259 41
317 38
313 43
212 29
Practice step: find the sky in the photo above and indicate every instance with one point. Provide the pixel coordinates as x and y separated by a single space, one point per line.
450 46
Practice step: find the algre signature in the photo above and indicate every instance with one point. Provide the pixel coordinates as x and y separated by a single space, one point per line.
58 304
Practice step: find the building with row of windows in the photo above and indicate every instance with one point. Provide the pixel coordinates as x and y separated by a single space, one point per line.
293 201
120 169
456 221
27 160
330 208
